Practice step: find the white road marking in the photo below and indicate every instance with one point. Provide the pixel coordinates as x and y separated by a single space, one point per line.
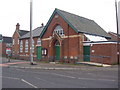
97 79
63 75
21 70
72 76
96 75
106 80
25 70
10 78
45 80
29 83
82 78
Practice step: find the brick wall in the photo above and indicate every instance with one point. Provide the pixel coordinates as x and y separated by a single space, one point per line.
25 55
70 47
107 50
15 46
113 37
3 49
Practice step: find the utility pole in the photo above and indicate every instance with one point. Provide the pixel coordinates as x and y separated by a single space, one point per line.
118 51
31 37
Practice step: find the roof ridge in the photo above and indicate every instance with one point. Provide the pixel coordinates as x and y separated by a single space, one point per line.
35 33
39 27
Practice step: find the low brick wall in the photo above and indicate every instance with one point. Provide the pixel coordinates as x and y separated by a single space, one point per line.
104 53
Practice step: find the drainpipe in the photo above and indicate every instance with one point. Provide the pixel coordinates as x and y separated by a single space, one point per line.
68 43
78 47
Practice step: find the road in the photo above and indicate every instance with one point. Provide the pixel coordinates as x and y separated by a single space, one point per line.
35 78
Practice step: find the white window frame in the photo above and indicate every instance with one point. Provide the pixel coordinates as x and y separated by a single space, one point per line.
59 30
26 46
39 41
21 46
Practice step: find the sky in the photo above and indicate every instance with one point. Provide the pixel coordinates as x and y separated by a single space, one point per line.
18 11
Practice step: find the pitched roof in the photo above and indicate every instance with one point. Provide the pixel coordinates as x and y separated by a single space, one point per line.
36 33
7 39
79 24
115 34
22 32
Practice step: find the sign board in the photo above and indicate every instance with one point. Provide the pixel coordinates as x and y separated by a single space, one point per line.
8 50
44 52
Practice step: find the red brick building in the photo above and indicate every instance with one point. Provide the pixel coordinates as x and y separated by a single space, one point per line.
64 35
5 45
24 48
68 38
114 36
103 52
15 45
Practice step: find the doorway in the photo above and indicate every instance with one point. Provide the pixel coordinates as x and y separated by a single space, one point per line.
39 52
57 50
86 53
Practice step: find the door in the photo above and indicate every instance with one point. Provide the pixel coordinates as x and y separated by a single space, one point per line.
39 52
57 52
86 53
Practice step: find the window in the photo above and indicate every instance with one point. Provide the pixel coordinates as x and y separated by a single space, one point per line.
33 45
38 41
21 46
26 46
59 30
8 44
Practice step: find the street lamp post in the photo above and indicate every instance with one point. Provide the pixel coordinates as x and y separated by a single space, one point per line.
31 37
118 51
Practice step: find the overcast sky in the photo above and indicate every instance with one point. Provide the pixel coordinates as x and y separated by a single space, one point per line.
17 11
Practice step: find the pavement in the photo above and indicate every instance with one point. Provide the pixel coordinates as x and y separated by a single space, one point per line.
54 66
46 66
94 64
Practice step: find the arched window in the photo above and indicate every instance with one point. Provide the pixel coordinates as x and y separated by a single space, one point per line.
21 46
26 46
38 41
59 30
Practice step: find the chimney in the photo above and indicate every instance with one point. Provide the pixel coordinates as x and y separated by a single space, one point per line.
18 26
42 24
